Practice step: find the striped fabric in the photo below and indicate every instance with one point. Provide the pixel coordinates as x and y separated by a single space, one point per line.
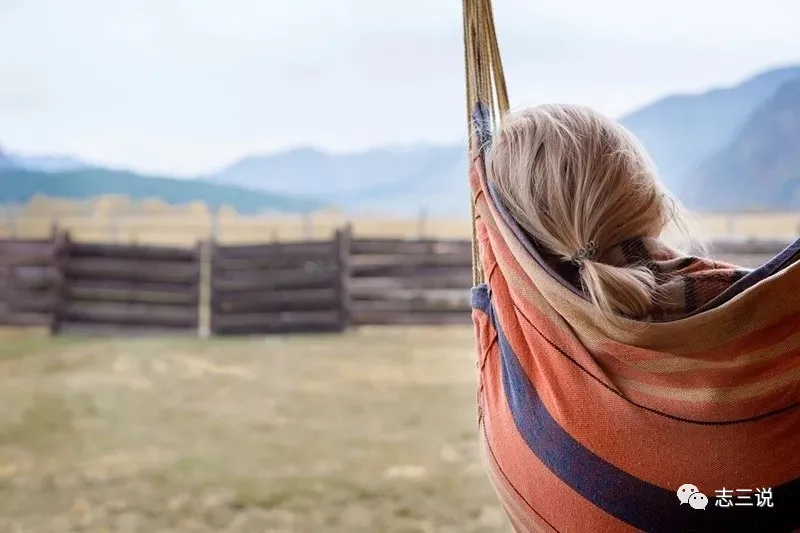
588 425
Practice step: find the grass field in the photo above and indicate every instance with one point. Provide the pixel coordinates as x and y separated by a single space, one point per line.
179 228
372 431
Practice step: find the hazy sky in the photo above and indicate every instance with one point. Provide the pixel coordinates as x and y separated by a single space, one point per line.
184 86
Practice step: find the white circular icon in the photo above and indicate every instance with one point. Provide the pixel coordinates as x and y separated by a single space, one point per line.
685 492
698 500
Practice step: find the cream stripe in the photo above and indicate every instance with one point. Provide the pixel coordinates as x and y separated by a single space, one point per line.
681 364
715 395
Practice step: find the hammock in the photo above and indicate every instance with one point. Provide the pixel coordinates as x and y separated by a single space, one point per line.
589 425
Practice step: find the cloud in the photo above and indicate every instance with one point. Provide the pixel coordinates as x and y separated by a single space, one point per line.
184 86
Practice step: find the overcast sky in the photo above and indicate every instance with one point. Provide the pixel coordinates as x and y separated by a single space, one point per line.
186 86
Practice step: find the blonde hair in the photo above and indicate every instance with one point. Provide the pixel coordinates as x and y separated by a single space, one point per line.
572 177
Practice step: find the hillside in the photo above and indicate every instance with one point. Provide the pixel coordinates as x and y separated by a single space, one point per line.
681 131
760 168
5 160
386 179
678 131
48 163
19 186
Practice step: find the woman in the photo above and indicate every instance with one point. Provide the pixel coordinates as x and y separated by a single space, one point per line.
623 386
586 192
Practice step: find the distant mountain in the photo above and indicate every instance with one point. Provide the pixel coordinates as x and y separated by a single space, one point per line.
760 168
394 179
20 185
695 140
679 132
5 160
48 163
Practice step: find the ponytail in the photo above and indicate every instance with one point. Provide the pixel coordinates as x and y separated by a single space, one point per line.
579 183
629 291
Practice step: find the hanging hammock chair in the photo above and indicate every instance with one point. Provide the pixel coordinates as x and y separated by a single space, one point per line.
589 425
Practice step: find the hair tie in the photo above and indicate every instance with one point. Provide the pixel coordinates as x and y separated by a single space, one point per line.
587 253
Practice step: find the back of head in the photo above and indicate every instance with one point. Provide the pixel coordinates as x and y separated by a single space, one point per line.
573 178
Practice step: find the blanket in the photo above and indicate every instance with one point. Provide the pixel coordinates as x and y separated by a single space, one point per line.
690 423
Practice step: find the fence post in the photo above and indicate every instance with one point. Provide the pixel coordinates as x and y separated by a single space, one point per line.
61 245
204 256
343 239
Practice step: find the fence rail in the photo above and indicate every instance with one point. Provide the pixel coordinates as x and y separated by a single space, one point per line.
280 288
30 281
410 282
128 289
258 288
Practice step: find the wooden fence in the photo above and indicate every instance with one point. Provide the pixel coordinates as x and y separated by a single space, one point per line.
128 289
311 286
30 282
280 287
410 282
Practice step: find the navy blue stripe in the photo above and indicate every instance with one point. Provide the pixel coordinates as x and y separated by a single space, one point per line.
630 499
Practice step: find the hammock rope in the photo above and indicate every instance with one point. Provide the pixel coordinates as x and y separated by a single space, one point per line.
485 82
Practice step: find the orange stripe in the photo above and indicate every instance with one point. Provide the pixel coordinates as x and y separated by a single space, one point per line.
523 518
595 416
761 377
553 500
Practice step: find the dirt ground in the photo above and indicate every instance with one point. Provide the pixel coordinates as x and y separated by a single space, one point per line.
373 431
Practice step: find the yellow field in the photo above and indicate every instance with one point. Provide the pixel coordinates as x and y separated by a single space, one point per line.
185 227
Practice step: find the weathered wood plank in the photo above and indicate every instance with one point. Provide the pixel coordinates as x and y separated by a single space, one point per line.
407 271
396 318
364 307
31 278
447 295
403 246
28 258
132 251
260 281
286 322
344 244
274 301
11 318
127 292
82 329
124 269
364 262
277 262
34 247
310 250
448 279
134 314
24 301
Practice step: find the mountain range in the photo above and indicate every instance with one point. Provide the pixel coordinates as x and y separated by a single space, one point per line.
691 137
68 178
729 148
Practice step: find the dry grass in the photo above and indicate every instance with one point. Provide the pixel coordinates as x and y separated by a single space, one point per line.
369 431
117 220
